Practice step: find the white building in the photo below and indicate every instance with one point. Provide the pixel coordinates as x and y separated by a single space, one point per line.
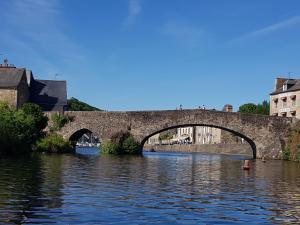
207 135
199 134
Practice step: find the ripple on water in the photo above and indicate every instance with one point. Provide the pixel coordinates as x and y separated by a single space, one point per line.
159 188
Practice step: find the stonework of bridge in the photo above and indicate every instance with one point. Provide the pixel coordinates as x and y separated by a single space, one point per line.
265 134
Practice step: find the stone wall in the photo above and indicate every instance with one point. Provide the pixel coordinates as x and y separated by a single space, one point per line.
22 92
9 96
237 149
266 134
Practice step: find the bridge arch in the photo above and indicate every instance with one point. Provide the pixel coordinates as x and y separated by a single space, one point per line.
265 134
79 133
239 134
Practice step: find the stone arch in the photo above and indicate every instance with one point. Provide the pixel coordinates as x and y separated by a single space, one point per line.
239 134
78 133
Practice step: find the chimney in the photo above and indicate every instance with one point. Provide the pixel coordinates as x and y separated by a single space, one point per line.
6 65
279 82
227 108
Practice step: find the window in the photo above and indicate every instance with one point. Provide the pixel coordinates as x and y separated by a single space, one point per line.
293 113
293 102
284 103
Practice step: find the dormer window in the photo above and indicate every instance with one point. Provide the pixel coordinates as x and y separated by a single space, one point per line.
284 88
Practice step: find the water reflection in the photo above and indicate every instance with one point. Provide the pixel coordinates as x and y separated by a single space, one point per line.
157 188
27 191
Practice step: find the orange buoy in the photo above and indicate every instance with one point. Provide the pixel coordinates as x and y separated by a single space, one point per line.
246 165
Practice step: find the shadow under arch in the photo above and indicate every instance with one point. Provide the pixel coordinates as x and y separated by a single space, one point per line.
249 140
79 133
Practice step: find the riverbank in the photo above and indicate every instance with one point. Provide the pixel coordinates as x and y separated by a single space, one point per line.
238 149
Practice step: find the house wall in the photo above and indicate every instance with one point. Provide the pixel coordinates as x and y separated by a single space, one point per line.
207 135
23 92
281 107
9 96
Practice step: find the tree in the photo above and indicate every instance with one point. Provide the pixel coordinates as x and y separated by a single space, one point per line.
20 129
263 108
251 108
76 105
248 108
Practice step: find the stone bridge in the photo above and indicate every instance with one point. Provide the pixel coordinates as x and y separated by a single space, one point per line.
265 134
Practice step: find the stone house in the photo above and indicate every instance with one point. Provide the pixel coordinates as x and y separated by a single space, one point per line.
285 99
18 86
13 86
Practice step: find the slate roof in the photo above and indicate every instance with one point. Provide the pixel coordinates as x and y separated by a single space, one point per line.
293 85
10 77
51 95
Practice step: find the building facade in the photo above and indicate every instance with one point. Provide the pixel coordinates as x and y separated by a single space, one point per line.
18 86
285 99
207 135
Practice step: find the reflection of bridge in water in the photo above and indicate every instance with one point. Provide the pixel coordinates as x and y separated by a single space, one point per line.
265 134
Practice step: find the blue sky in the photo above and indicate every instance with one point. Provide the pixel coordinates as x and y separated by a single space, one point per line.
155 54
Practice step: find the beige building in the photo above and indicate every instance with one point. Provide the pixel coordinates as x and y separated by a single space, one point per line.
207 135
284 101
199 135
154 140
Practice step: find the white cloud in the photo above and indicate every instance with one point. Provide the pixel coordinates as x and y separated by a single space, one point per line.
270 29
134 9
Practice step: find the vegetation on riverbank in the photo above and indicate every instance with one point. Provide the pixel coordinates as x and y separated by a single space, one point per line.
22 131
121 143
54 143
76 105
292 148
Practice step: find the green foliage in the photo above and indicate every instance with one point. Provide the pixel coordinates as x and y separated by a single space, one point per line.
286 153
20 129
58 122
131 146
263 108
250 108
54 144
76 105
165 136
121 143
109 147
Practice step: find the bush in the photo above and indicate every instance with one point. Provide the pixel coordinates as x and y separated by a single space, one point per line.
58 122
109 147
54 144
131 146
286 153
121 143
20 129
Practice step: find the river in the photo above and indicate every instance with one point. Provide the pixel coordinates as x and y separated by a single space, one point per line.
158 188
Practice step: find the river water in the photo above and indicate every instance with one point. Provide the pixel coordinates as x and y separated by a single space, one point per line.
159 188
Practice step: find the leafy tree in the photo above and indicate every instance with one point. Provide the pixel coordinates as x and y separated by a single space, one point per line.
251 108
20 129
248 108
263 108
76 105
165 136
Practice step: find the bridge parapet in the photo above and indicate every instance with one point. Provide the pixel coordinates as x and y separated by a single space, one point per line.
265 134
